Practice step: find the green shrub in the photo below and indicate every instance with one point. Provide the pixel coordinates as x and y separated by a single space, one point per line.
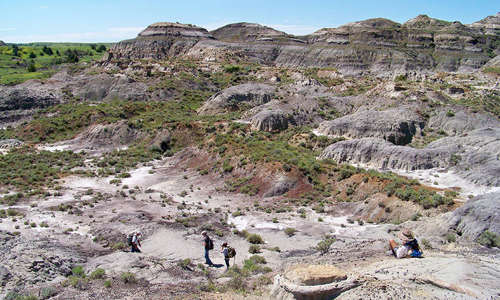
128 277
426 244
255 239
16 296
98 273
232 68
184 263
107 283
290 231
118 246
78 271
451 238
324 246
226 166
489 239
253 249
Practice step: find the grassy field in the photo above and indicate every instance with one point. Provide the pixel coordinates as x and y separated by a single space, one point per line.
22 62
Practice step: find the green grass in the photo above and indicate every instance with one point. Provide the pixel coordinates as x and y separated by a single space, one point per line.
14 69
30 171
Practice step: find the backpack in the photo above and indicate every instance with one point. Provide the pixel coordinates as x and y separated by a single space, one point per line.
231 252
129 239
413 245
210 244
416 253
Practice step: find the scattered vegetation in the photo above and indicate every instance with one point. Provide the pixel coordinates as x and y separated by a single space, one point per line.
22 62
290 231
255 239
489 239
30 171
128 277
324 246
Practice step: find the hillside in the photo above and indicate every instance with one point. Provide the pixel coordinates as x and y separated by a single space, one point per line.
296 151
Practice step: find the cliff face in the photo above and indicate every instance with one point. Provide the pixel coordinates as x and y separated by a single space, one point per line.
160 40
379 45
246 32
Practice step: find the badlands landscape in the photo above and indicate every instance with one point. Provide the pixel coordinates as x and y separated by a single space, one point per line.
303 152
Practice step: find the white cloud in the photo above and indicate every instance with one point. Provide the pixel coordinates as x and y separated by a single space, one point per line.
113 34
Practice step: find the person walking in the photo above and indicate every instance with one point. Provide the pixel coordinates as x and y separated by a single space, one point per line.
209 245
225 251
136 242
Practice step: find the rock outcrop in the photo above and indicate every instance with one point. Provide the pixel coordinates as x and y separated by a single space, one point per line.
159 40
247 32
377 45
477 215
105 137
314 282
381 154
397 126
274 120
460 121
236 97
282 185
10 143
489 25
476 154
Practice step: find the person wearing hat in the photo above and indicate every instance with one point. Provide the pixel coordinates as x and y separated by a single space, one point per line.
208 244
409 245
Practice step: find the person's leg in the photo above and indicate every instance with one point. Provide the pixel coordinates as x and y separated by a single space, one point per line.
227 262
393 245
207 258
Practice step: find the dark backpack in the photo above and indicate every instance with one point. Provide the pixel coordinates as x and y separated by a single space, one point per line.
210 244
413 245
129 239
231 252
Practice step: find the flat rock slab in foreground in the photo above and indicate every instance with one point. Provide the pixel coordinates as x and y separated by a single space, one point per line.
312 282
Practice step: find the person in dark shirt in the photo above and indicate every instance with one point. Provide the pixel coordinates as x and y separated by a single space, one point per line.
207 242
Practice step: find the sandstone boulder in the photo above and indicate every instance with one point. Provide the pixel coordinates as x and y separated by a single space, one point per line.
312 282
236 97
315 274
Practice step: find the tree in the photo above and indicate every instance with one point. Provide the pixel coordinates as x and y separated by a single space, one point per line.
31 66
71 56
101 48
47 50
15 50
32 55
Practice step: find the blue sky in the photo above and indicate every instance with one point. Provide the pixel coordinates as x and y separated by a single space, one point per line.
115 20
